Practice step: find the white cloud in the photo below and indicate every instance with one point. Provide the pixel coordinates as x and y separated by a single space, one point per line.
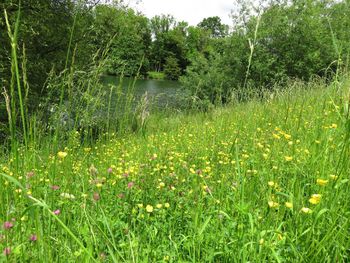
191 11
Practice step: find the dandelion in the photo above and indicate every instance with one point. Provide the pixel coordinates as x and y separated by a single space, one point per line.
62 155
166 205
159 206
306 210
321 182
149 208
315 199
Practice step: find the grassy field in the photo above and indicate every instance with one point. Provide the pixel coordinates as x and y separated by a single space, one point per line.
263 181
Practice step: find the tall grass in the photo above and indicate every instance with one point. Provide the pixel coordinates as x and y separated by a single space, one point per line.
264 180
232 184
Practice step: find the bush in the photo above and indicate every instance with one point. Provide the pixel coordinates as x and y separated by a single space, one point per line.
172 69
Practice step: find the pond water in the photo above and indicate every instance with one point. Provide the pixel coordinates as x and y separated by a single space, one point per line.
160 93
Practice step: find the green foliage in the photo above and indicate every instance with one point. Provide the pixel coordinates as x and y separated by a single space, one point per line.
171 68
299 40
155 75
214 26
278 41
264 181
127 37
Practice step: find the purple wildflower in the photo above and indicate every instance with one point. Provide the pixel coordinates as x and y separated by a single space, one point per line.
7 225
57 212
7 251
55 187
96 196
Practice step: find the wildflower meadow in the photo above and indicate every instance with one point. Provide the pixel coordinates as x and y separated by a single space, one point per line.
261 181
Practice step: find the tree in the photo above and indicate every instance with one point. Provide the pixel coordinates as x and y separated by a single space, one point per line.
214 26
171 69
127 37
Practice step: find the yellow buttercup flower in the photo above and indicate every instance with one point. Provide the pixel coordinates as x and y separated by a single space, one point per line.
271 183
333 177
149 208
306 210
289 205
287 136
315 199
62 155
273 204
321 182
288 158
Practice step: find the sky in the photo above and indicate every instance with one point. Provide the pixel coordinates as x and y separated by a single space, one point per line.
191 11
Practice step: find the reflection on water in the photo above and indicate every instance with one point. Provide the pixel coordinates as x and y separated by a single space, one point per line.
160 93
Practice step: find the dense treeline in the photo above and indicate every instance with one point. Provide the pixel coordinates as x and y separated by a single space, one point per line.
287 39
